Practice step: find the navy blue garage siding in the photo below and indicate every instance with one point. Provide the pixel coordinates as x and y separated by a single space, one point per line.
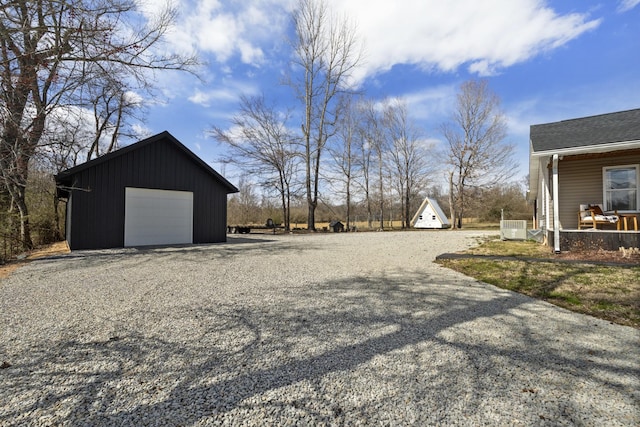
97 191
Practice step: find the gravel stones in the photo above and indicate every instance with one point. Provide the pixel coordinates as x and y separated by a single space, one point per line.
327 329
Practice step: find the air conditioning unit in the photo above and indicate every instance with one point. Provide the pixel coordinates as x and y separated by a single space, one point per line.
513 229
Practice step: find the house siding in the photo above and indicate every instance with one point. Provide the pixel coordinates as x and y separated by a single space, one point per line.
580 182
98 198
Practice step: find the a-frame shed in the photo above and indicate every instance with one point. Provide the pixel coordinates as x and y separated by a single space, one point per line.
430 215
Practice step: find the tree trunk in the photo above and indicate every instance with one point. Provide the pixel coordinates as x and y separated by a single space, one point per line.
407 209
283 201
369 207
381 189
287 217
56 216
311 217
452 209
25 227
348 207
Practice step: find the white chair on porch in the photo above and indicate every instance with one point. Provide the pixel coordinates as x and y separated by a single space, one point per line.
590 215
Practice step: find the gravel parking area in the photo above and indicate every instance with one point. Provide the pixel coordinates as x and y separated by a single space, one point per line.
327 329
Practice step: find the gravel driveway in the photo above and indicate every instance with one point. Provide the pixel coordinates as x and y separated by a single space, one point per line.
328 329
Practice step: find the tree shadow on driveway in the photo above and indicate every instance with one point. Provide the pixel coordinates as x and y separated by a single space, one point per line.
395 348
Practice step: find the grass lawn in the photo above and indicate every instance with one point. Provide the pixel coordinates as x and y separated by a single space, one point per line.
607 292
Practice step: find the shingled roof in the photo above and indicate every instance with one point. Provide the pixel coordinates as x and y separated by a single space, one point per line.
586 131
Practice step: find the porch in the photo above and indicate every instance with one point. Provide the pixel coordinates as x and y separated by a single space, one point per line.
579 164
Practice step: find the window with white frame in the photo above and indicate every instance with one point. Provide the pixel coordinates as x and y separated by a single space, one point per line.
621 188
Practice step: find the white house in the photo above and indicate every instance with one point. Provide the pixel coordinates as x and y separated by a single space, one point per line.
430 215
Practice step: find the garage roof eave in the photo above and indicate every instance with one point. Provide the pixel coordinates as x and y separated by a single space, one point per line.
64 178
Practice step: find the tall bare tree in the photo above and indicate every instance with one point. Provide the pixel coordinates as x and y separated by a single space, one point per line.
325 52
344 153
46 49
476 152
364 161
409 153
374 149
262 145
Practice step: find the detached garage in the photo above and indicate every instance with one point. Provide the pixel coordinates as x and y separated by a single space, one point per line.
154 192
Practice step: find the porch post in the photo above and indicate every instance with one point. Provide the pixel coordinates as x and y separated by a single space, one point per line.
546 201
556 203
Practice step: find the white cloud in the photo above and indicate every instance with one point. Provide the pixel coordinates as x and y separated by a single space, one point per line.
432 103
230 92
229 29
626 5
484 35
204 98
141 131
133 97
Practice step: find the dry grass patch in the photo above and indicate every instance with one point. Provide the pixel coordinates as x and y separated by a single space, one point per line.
495 247
606 292
53 249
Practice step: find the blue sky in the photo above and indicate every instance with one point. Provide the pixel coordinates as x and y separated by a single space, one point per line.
547 60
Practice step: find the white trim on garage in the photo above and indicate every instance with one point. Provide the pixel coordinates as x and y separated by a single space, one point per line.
157 217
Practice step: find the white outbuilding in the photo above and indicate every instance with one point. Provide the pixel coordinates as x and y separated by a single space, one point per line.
430 215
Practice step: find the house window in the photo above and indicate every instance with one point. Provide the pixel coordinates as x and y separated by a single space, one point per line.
621 188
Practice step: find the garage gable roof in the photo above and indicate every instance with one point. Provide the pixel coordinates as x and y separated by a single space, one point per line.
136 146
586 132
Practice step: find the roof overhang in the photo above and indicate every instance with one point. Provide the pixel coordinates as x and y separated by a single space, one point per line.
538 157
589 149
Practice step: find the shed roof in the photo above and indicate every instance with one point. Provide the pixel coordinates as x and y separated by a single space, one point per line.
65 175
590 131
436 208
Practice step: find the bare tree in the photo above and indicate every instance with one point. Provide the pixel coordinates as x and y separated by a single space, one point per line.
364 161
408 153
45 50
113 106
261 144
373 153
475 151
344 154
325 51
243 206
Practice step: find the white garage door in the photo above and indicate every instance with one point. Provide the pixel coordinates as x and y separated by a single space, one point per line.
157 217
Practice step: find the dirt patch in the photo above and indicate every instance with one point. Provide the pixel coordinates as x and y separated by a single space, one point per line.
533 250
619 257
57 248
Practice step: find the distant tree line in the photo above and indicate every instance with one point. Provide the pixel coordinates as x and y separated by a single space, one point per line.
252 206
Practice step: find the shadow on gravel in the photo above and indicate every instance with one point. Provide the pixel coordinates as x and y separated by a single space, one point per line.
236 246
308 354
